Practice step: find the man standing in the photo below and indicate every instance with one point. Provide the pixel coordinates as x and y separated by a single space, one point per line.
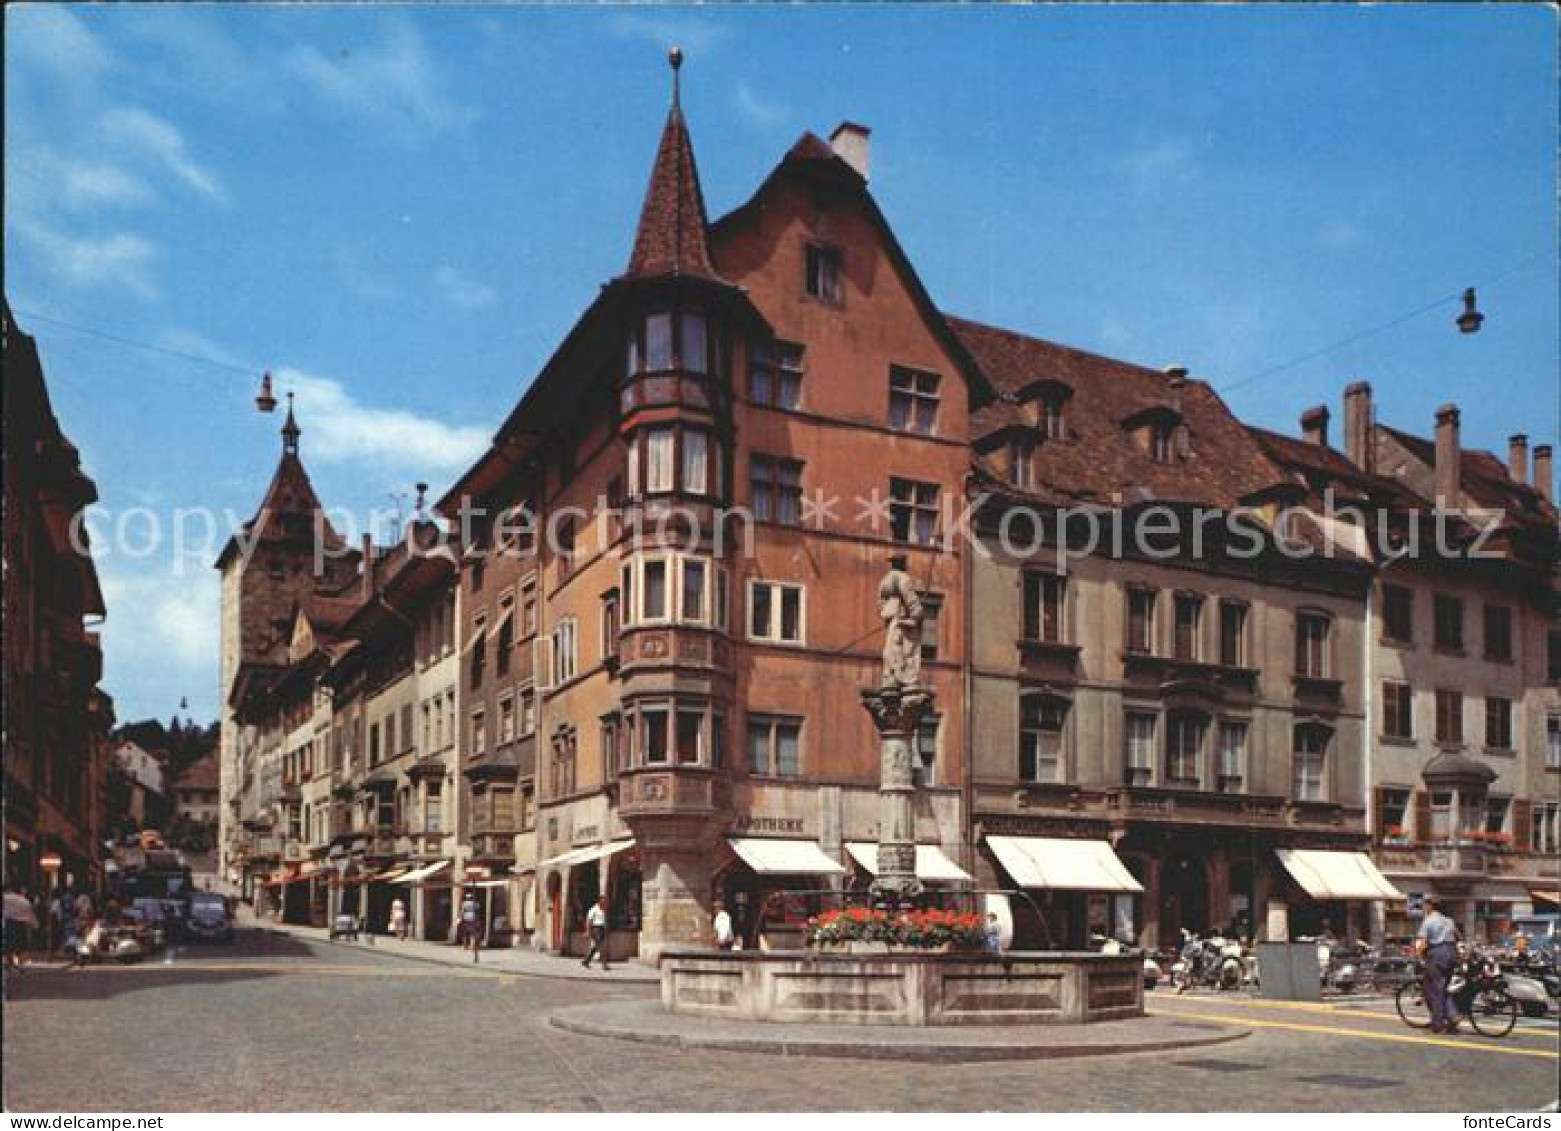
596 924
1437 945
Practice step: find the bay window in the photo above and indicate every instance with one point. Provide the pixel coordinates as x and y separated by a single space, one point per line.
675 588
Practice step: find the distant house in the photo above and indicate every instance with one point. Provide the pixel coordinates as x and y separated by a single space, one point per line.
195 791
146 771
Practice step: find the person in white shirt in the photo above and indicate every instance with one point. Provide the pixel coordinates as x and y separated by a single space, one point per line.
723 927
596 924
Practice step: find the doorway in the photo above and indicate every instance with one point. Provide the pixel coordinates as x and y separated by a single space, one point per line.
1184 898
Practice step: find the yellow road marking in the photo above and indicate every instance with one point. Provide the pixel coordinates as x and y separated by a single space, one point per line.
282 968
1366 1014
1364 1034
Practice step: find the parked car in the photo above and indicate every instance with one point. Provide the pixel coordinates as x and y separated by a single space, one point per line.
345 927
209 919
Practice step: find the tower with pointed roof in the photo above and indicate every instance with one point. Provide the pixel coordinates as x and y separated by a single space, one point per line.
282 557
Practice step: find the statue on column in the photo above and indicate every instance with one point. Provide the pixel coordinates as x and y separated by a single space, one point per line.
900 607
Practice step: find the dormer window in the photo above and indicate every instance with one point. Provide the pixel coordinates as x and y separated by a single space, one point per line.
1162 442
1021 457
1159 431
1050 424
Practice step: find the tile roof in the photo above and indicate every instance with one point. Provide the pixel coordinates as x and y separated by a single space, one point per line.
1099 461
203 774
1486 481
671 237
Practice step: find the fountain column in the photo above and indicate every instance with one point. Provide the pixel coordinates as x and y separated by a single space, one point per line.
896 713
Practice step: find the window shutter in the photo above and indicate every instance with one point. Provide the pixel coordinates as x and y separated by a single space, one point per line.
1379 820
1422 815
1522 824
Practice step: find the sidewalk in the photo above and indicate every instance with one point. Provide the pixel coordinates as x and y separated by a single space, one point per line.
513 960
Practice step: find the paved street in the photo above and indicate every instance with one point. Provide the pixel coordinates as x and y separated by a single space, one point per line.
284 1023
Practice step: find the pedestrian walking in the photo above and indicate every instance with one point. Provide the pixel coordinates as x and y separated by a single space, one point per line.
1437 945
398 919
596 925
20 921
724 938
471 925
993 933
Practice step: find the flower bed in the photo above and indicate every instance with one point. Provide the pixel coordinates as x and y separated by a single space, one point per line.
922 930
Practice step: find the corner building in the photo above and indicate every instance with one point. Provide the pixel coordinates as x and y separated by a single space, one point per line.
700 645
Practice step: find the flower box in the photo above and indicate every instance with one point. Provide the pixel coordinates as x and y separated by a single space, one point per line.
921 931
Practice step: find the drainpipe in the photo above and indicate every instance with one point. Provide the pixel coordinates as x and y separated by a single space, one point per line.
967 687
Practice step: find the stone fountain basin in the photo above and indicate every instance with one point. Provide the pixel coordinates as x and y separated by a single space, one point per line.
904 987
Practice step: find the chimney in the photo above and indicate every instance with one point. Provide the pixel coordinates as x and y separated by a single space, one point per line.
1543 482
1359 444
1448 457
366 566
851 143
1517 458
1314 425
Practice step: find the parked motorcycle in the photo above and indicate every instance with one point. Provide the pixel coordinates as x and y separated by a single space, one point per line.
1216 961
106 944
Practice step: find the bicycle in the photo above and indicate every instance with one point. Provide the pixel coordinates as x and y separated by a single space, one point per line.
1477 992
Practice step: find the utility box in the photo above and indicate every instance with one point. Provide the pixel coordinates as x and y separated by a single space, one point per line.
1289 971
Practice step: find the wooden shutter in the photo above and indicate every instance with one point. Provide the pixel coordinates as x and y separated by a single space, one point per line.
1522 824
1422 815
1378 816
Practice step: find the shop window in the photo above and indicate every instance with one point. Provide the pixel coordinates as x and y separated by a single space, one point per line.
913 511
1398 710
1448 623
1140 620
1140 733
913 400
775 374
1041 722
774 745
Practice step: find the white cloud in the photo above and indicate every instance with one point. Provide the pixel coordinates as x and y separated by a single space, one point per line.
121 258
1339 235
338 428
49 37
360 280
760 112
462 292
395 82
189 342
159 142
692 33
164 619
1153 165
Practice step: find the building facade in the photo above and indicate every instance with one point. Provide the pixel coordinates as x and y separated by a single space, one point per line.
627 657
57 719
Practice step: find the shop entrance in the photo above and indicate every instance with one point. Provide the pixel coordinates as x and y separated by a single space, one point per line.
1184 898
555 913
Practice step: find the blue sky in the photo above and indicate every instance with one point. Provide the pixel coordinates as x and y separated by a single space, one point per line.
402 210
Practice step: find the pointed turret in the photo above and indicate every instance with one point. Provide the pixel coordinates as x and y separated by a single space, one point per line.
290 430
671 237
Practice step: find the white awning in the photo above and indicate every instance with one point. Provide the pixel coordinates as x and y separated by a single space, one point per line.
932 863
1337 875
390 875
418 875
585 855
784 857
486 884
1061 864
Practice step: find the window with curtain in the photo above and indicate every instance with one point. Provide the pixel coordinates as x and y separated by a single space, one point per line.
696 462
659 448
1041 721
1311 749
1140 730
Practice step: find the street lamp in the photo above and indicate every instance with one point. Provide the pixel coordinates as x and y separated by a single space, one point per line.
1469 321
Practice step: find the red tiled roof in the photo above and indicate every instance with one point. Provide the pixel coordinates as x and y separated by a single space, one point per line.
1099 461
671 239
1486 481
204 774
